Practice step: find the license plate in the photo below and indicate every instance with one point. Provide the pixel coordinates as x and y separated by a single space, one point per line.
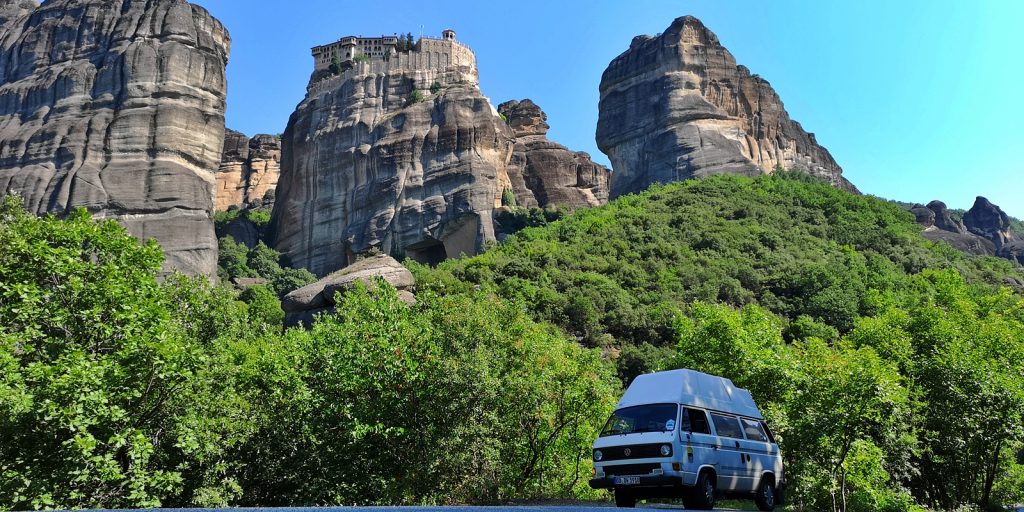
627 480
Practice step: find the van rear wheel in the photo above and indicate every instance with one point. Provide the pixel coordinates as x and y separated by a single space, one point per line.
765 497
624 499
702 496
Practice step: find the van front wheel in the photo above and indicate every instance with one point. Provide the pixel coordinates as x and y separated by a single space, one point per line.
624 499
702 496
765 497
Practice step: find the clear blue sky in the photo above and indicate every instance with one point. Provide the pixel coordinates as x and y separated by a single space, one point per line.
916 100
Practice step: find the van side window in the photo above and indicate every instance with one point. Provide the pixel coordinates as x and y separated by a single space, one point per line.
768 431
694 420
727 426
752 430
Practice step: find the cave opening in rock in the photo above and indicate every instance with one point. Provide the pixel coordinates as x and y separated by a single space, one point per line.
430 252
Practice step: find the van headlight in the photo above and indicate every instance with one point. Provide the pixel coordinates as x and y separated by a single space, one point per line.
598 455
666 450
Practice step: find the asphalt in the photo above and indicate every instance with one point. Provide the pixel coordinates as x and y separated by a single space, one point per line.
511 508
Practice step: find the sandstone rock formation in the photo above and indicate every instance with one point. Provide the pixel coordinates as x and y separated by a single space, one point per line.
985 229
988 221
544 173
117 107
249 169
1013 251
677 106
303 304
405 155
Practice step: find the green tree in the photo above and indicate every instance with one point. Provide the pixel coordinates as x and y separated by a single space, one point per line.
101 399
463 399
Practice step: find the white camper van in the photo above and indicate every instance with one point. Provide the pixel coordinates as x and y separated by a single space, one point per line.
690 435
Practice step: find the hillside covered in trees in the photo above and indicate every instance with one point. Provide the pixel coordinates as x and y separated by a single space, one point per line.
890 367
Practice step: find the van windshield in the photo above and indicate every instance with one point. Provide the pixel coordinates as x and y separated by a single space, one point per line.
641 418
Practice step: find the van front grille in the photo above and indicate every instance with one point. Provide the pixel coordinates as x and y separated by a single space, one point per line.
634 451
631 469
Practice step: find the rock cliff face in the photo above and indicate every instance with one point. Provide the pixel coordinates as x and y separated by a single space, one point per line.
544 173
249 168
677 106
406 156
117 107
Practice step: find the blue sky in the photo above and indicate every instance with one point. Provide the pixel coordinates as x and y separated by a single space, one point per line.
916 100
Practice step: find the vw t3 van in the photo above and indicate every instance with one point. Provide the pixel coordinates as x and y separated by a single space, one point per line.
690 435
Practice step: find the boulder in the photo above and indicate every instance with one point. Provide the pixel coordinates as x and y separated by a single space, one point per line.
300 304
677 106
1013 251
923 215
543 173
944 219
966 242
989 221
119 110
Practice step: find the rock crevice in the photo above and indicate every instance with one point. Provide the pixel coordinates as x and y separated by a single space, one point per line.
544 173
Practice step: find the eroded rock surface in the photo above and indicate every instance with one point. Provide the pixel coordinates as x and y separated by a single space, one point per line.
117 107
302 304
988 221
544 173
677 106
406 156
984 230
249 169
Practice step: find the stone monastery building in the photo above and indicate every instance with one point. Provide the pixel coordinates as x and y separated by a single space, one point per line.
432 52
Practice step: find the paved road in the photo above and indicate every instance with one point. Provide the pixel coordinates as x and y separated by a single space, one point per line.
600 507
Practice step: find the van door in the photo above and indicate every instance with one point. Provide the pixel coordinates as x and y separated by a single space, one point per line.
759 451
733 473
701 447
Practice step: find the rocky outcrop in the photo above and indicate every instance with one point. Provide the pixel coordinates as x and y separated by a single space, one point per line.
677 106
984 230
406 156
543 173
249 169
301 305
117 107
944 219
988 221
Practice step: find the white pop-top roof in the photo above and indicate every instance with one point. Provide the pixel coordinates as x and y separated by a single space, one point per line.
689 387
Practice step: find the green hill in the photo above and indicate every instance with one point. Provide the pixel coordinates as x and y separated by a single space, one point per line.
801 249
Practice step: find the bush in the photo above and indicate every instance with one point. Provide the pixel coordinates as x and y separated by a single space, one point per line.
435 88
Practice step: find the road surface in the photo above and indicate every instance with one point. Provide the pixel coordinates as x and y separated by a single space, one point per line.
597 507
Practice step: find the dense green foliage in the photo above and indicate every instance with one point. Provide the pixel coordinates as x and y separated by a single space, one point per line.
891 367
236 260
620 273
462 399
118 390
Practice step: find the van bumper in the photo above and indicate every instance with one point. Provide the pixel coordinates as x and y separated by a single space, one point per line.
608 482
